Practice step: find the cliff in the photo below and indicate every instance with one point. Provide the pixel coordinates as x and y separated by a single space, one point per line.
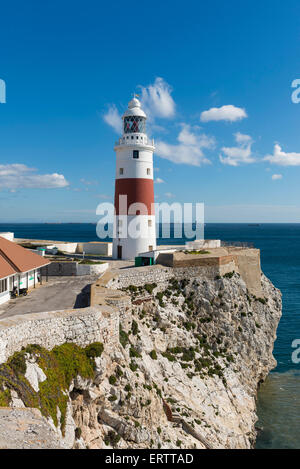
183 372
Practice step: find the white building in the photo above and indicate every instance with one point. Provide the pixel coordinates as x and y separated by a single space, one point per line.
134 224
19 268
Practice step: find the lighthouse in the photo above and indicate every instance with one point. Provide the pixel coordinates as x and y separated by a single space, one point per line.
134 221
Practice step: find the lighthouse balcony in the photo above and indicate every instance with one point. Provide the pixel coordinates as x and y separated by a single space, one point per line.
135 140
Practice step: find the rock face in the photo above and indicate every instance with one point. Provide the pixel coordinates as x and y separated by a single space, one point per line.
187 369
191 354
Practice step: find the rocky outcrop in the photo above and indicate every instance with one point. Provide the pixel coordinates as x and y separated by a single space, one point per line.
202 346
191 354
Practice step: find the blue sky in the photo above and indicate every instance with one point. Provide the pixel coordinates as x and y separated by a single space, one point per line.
68 64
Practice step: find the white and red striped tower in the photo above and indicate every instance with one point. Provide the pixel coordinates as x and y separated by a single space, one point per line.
134 179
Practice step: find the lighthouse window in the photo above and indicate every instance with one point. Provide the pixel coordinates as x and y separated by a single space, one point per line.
121 171
149 223
134 124
148 171
136 154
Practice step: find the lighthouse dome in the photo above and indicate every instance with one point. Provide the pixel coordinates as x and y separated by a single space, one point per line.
134 103
134 109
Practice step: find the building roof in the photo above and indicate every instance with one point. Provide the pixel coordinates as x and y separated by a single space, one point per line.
5 268
15 259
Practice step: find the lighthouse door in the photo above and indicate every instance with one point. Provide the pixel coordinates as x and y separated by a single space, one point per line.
119 252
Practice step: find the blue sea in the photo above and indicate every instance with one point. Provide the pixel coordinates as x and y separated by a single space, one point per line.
279 396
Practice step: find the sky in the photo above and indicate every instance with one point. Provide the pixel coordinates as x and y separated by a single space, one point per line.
215 79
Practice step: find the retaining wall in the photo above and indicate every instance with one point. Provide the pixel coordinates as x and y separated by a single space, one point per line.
158 274
82 326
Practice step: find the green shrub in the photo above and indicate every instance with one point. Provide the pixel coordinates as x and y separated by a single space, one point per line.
229 275
149 287
112 380
134 327
153 354
94 350
123 337
133 366
262 300
112 439
134 353
169 356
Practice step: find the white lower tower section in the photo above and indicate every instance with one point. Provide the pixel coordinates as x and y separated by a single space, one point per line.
134 225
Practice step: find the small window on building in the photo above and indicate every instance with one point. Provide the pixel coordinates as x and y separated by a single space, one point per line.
136 154
120 222
150 248
138 212
149 223
132 137
121 171
3 285
148 171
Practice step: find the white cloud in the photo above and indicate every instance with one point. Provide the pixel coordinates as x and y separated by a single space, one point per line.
19 176
113 118
103 196
234 156
159 181
86 182
189 150
169 195
157 100
281 158
276 177
225 113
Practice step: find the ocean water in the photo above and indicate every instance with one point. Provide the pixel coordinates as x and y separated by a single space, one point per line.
279 396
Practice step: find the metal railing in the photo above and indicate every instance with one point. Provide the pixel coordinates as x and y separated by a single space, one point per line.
237 244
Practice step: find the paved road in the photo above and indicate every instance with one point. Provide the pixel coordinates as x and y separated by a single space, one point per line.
58 293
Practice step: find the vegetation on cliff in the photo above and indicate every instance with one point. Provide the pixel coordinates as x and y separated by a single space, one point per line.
60 365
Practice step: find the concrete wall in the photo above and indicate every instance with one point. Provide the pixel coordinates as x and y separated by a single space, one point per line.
100 248
58 269
82 327
98 269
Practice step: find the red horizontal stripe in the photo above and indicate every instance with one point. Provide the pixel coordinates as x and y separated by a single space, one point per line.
138 191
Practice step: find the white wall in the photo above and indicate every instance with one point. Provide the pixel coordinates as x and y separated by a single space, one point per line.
100 248
134 167
4 297
8 235
23 279
97 269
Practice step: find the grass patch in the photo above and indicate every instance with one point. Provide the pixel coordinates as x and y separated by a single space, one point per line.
61 365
